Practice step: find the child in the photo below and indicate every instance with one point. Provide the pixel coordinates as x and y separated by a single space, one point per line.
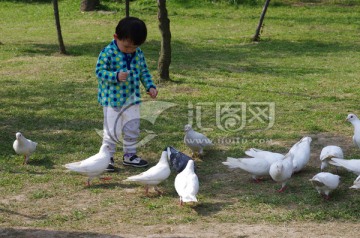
120 69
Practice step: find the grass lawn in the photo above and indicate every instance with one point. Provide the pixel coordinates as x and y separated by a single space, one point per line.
305 70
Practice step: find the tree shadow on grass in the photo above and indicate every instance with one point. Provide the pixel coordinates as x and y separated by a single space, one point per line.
46 162
210 208
227 60
30 1
10 212
16 233
89 49
106 185
200 55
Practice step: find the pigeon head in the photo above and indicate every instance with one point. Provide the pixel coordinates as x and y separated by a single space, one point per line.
190 165
307 138
18 135
187 127
105 148
172 150
351 117
278 166
178 160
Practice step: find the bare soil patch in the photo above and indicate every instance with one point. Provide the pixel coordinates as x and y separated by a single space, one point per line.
295 230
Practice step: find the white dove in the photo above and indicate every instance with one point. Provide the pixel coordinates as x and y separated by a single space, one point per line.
269 156
154 175
282 170
23 146
351 165
325 183
356 184
257 167
93 166
187 184
329 152
195 140
354 120
301 153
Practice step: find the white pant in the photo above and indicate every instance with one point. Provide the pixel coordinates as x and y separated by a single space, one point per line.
121 125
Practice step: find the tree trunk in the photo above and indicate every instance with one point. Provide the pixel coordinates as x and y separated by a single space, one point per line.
165 51
258 29
58 27
127 8
89 5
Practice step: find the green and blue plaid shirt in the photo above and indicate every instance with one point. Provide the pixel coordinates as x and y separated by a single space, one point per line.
111 61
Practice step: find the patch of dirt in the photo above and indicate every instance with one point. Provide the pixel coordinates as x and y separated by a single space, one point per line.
208 230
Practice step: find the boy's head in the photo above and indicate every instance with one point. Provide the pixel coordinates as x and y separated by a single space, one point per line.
131 29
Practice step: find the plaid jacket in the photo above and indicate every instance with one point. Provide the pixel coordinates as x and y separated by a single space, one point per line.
110 62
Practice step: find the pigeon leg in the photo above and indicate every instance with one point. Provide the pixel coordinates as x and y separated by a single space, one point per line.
146 190
25 159
325 196
88 182
158 190
282 189
180 202
255 179
105 178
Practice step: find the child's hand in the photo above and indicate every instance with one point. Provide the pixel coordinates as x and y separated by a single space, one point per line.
152 92
122 76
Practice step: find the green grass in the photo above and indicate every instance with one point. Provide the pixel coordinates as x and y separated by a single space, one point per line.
307 63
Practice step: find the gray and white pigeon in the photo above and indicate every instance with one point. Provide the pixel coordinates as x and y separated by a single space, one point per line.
257 166
178 160
195 140
325 183
187 184
93 166
351 165
301 153
329 152
154 175
282 170
23 146
354 120
269 156
356 184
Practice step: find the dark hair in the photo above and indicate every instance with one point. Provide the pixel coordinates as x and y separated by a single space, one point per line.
133 29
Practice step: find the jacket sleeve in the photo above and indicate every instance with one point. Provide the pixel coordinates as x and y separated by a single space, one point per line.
145 76
103 69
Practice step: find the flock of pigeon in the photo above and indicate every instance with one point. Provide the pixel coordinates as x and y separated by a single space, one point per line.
281 167
186 181
259 163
